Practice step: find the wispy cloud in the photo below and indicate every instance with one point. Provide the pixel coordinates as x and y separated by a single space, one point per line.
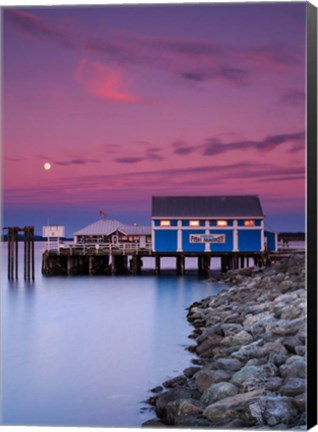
153 153
104 82
192 60
76 162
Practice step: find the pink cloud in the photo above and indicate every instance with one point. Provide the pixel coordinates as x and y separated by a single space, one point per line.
104 82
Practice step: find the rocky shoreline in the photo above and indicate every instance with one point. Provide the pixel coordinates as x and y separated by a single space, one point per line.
250 365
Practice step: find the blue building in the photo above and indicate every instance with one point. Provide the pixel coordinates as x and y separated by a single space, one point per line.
208 224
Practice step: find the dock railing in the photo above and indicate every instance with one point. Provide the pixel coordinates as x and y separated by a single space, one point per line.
98 248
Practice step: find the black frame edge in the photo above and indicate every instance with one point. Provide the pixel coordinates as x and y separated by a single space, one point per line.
311 215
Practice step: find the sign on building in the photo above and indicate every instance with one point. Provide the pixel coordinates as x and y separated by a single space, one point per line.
207 238
53 231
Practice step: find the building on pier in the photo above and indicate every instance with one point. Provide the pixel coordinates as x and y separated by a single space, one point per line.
110 231
209 224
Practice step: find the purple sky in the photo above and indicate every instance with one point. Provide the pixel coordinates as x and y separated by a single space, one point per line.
129 102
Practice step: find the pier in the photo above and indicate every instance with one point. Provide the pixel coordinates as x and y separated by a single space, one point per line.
112 259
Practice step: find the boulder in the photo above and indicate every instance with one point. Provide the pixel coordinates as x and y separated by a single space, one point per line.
241 338
217 392
246 373
178 411
228 364
231 408
190 371
175 382
205 377
293 386
169 396
273 410
295 366
286 327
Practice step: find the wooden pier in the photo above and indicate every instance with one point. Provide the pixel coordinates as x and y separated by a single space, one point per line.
128 259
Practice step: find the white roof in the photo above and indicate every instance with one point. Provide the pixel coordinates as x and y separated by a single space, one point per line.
108 226
101 227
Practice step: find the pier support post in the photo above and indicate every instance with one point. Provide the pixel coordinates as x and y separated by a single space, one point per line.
223 264
235 262
206 264
119 264
157 264
242 262
135 264
90 265
180 265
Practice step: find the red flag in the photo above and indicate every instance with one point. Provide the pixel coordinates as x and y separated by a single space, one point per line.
101 213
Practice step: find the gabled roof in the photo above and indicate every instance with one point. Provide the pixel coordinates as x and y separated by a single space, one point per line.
207 206
108 226
135 230
101 227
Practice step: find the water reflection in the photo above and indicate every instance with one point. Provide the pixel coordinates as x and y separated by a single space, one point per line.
85 351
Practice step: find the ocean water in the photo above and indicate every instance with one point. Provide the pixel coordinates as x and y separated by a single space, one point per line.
84 351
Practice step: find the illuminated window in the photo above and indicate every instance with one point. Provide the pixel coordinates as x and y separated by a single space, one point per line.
165 223
221 223
249 223
194 223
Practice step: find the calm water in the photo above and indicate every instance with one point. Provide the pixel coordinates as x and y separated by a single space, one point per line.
86 350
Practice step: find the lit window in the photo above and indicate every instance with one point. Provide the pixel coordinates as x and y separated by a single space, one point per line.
194 223
165 223
221 223
249 223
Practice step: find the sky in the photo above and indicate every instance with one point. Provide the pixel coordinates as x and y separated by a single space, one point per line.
126 102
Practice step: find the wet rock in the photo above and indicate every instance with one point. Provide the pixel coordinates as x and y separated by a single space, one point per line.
153 423
174 394
217 392
157 389
301 402
190 371
175 382
178 411
210 342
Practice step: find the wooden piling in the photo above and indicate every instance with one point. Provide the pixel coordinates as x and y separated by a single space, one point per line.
157 264
180 265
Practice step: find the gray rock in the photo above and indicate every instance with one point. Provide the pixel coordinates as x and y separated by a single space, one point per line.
301 402
169 396
229 364
157 389
205 377
295 366
246 373
174 382
300 350
178 411
190 371
286 327
153 423
293 386
273 410
208 344
217 392
241 338
278 358
234 407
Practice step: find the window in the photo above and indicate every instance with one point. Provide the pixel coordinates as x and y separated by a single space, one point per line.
194 223
221 223
249 223
165 223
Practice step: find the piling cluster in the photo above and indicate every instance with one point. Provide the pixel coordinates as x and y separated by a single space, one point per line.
250 364
13 252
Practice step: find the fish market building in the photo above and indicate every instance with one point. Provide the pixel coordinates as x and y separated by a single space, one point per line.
220 224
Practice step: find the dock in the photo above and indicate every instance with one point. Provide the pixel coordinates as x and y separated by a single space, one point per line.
112 259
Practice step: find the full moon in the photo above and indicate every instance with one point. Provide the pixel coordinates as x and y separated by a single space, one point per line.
47 166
